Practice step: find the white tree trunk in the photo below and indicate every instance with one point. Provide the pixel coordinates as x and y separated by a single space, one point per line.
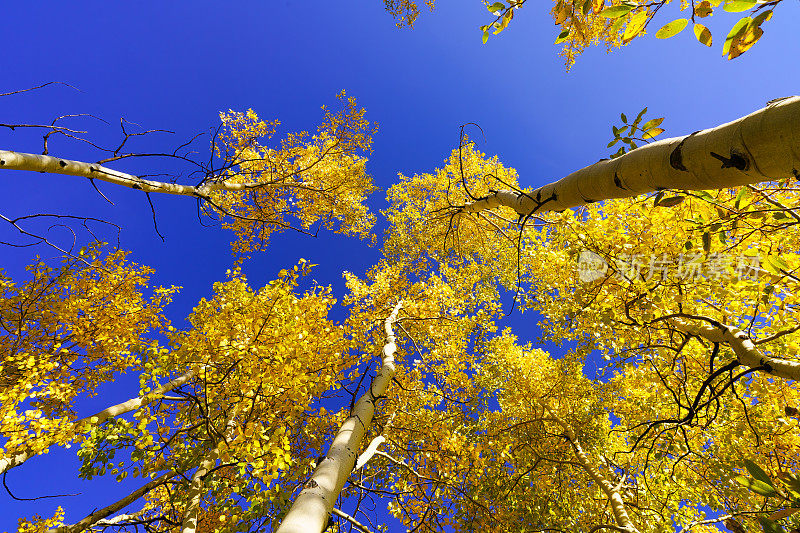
762 146
17 458
621 516
746 352
97 516
310 510
55 165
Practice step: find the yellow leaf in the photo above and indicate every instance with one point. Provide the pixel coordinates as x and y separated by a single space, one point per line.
671 28
703 34
635 26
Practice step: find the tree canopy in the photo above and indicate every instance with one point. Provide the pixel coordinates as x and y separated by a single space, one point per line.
658 392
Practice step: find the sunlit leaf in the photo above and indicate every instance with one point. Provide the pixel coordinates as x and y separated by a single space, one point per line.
671 28
653 132
703 34
614 12
736 6
652 123
635 25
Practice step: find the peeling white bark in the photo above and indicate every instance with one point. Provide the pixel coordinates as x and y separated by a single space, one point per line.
370 451
762 146
746 352
16 459
310 510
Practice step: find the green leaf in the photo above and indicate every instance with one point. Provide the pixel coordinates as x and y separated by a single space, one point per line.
671 201
497 6
615 12
623 117
706 242
770 526
652 123
736 6
562 37
640 115
671 28
617 25
759 487
792 480
755 470
612 143
485 36
742 195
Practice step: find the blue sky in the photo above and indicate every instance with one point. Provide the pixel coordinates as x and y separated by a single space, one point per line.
175 65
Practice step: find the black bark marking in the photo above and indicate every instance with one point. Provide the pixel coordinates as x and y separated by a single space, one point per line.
136 186
676 157
2 161
737 160
618 182
62 163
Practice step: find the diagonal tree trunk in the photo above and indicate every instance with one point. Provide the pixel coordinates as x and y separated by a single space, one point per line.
19 457
762 146
624 522
747 354
310 510
100 514
55 165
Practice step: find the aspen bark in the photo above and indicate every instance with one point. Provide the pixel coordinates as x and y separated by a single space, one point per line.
746 352
762 146
310 510
195 492
97 516
612 493
56 165
17 458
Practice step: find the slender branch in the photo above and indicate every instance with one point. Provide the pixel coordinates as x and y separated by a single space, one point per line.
16 459
116 506
356 523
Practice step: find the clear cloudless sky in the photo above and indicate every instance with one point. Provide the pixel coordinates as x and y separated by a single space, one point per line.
175 65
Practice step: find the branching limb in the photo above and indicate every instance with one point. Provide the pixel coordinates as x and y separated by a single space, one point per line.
358 525
96 516
311 508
